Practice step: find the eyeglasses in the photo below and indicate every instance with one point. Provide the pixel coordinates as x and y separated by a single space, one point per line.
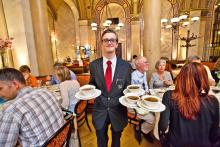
111 40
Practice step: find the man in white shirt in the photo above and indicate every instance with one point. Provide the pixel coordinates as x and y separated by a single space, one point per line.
139 76
198 60
111 75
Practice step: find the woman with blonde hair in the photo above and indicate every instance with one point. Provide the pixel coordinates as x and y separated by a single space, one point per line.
68 88
191 115
161 78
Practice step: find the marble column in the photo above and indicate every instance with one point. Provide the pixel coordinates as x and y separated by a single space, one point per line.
3 29
4 34
84 38
152 32
135 38
41 34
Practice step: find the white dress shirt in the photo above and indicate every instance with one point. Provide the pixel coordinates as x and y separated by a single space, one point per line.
113 60
139 78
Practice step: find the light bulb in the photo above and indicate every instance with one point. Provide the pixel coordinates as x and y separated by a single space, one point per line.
196 18
182 17
93 24
175 20
164 20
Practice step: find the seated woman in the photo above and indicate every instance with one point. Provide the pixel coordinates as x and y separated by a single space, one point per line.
68 88
160 78
191 115
30 79
53 78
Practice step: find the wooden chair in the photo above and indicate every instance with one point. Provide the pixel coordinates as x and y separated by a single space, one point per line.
90 105
62 136
81 113
136 121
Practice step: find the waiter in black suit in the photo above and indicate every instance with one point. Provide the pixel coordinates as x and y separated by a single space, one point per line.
111 75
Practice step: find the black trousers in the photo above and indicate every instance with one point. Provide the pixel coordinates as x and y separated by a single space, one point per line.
102 135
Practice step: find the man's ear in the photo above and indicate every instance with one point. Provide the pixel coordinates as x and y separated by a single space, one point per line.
16 84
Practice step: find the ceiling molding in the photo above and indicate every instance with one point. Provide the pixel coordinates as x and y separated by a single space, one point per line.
51 10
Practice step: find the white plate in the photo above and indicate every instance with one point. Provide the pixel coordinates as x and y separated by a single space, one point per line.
160 90
142 92
161 107
95 94
125 103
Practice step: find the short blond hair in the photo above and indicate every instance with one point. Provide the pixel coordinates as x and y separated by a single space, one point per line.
159 62
63 73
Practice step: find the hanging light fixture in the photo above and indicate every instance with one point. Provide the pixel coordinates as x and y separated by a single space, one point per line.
108 22
181 20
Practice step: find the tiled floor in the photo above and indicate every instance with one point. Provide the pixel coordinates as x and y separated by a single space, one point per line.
88 139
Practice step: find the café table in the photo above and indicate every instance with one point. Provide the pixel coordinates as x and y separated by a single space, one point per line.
55 90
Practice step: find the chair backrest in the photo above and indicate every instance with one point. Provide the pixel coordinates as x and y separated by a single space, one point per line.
61 136
80 107
81 112
133 118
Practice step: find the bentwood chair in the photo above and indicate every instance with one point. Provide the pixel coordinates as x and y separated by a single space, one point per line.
81 113
136 121
62 136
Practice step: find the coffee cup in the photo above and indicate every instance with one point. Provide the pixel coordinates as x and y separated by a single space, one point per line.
87 89
132 98
151 101
134 88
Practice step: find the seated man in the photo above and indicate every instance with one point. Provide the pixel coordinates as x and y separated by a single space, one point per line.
139 76
53 79
198 60
133 62
28 117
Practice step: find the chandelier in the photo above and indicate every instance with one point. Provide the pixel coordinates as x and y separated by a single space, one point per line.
110 22
182 20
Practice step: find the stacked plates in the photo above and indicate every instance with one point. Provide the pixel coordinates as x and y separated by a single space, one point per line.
141 103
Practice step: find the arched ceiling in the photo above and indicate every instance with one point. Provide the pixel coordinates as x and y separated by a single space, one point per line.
86 7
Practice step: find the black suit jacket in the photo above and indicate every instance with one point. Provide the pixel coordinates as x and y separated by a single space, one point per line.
108 102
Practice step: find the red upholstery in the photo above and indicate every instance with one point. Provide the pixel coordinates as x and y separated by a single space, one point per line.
62 135
60 139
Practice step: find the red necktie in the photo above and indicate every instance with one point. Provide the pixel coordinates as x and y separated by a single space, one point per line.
108 76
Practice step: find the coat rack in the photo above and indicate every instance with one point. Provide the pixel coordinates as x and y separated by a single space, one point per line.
187 40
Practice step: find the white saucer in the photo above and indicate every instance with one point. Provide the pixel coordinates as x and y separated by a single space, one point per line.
161 107
160 90
125 103
95 94
142 92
